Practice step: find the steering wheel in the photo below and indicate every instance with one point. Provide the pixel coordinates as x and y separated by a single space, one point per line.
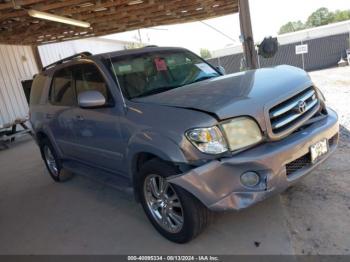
190 75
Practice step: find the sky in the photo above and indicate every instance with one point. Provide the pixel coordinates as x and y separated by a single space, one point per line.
267 17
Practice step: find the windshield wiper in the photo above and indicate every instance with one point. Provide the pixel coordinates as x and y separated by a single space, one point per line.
156 91
203 78
166 88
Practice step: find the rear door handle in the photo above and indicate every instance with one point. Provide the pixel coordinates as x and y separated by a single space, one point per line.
80 118
49 116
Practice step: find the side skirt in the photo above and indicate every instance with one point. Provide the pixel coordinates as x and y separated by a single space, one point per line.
116 181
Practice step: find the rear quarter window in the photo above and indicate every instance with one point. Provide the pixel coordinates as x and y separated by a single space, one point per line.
37 89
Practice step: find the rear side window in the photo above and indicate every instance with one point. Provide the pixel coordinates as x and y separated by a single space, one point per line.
62 89
37 89
88 77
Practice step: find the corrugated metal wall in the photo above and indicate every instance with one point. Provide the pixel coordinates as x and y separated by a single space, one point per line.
17 63
323 52
231 63
51 53
329 51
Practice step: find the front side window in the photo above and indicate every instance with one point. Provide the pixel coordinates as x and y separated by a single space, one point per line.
62 89
88 78
155 72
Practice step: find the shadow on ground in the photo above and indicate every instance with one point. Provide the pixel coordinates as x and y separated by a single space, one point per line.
80 216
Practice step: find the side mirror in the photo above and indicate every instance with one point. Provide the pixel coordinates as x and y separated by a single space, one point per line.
221 69
91 99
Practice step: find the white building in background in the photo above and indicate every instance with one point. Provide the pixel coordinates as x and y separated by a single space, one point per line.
229 50
51 53
17 64
294 37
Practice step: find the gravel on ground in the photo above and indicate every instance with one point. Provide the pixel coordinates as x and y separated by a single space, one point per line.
318 208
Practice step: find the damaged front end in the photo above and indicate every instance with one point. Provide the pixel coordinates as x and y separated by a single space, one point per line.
218 184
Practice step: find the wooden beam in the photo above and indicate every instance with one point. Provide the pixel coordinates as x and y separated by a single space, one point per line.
17 27
247 34
9 5
40 7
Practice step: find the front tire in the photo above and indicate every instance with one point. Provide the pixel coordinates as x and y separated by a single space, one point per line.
52 162
175 213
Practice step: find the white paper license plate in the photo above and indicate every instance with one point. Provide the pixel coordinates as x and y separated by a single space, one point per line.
319 149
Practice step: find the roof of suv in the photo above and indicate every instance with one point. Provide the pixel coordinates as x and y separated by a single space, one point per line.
87 55
146 49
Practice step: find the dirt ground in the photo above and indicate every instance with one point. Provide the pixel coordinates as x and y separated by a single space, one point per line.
318 208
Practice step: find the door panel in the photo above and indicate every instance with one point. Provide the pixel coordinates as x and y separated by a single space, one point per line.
97 130
99 138
62 128
62 100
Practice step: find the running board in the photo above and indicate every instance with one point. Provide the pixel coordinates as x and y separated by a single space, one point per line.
101 176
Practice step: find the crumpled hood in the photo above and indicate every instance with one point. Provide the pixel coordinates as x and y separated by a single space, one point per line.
245 93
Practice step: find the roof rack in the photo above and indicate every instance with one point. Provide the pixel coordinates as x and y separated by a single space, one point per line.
78 55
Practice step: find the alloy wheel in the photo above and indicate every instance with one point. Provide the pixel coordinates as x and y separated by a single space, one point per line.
163 203
50 161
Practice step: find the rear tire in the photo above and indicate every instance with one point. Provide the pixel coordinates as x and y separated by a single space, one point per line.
52 162
178 220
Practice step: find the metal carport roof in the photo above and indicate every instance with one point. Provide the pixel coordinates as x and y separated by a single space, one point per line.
112 16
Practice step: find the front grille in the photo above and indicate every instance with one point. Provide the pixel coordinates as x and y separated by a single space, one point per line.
293 111
298 164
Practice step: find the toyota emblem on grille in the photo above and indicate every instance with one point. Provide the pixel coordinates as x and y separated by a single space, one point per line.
301 107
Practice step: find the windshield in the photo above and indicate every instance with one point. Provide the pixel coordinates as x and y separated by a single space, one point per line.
155 72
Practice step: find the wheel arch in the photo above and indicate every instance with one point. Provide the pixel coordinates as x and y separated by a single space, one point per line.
138 160
41 135
146 146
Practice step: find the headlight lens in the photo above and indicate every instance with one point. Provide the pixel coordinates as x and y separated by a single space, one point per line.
241 132
208 140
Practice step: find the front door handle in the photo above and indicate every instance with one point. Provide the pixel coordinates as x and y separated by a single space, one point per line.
49 116
80 118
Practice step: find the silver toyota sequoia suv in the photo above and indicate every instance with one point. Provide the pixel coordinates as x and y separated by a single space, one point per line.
178 133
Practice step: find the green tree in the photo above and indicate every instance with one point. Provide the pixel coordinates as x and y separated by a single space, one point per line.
205 53
321 16
291 27
341 15
133 45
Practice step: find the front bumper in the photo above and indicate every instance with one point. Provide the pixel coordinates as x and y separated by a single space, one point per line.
217 184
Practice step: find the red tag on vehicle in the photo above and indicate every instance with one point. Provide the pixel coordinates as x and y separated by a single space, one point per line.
160 64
